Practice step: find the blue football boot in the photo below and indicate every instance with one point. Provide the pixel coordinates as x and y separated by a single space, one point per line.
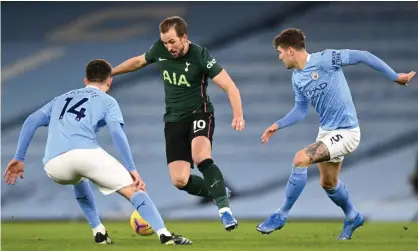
274 222
229 222
350 226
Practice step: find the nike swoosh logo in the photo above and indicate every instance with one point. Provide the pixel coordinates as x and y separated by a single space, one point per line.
195 131
214 183
161 59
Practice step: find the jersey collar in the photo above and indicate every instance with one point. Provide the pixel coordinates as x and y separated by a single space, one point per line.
90 86
308 58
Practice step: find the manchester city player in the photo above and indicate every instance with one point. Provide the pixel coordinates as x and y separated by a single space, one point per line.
318 79
72 154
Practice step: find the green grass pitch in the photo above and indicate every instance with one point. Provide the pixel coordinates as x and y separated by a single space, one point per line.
209 235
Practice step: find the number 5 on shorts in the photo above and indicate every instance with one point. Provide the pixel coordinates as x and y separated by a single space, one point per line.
335 139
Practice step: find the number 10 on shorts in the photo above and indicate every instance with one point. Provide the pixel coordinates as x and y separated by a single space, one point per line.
198 125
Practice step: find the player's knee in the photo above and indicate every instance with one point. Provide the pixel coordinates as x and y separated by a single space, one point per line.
127 192
301 159
199 158
179 173
179 181
200 154
329 183
201 149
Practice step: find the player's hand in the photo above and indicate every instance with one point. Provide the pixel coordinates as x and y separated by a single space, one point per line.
238 123
138 184
14 168
404 78
269 132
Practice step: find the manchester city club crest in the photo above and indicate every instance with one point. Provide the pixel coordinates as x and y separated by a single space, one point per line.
314 75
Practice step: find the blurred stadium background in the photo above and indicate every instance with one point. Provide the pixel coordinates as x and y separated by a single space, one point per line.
45 47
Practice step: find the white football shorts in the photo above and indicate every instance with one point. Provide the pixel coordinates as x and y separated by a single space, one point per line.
93 164
340 142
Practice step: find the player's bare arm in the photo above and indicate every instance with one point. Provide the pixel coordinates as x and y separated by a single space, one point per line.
224 81
130 65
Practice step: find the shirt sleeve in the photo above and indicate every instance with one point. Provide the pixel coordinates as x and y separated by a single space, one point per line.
121 141
47 109
356 57
35 120
151 56
210 67
299 111
334 59
299 97
113 113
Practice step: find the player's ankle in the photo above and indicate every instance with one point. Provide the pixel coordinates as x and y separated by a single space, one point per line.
282 213
352 214
224 209
222 202
163 231
99 229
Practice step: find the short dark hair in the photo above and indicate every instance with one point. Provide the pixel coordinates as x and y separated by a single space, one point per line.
290 38
176 22
98 70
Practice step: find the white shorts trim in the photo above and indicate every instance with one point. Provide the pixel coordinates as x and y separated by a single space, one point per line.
340 142
93 164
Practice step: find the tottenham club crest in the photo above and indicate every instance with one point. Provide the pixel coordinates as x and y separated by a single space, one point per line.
187 67
314 75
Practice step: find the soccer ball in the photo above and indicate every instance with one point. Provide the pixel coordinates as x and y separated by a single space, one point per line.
139 225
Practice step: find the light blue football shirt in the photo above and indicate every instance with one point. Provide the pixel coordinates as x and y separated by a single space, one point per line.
75 117
323 84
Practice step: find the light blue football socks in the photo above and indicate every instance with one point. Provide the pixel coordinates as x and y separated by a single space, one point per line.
339 195
85 199
294 188
146 208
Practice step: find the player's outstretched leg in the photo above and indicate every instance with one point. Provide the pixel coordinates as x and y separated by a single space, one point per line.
314 153
146 208
85 199
338 193
294 188
215 181
353 219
